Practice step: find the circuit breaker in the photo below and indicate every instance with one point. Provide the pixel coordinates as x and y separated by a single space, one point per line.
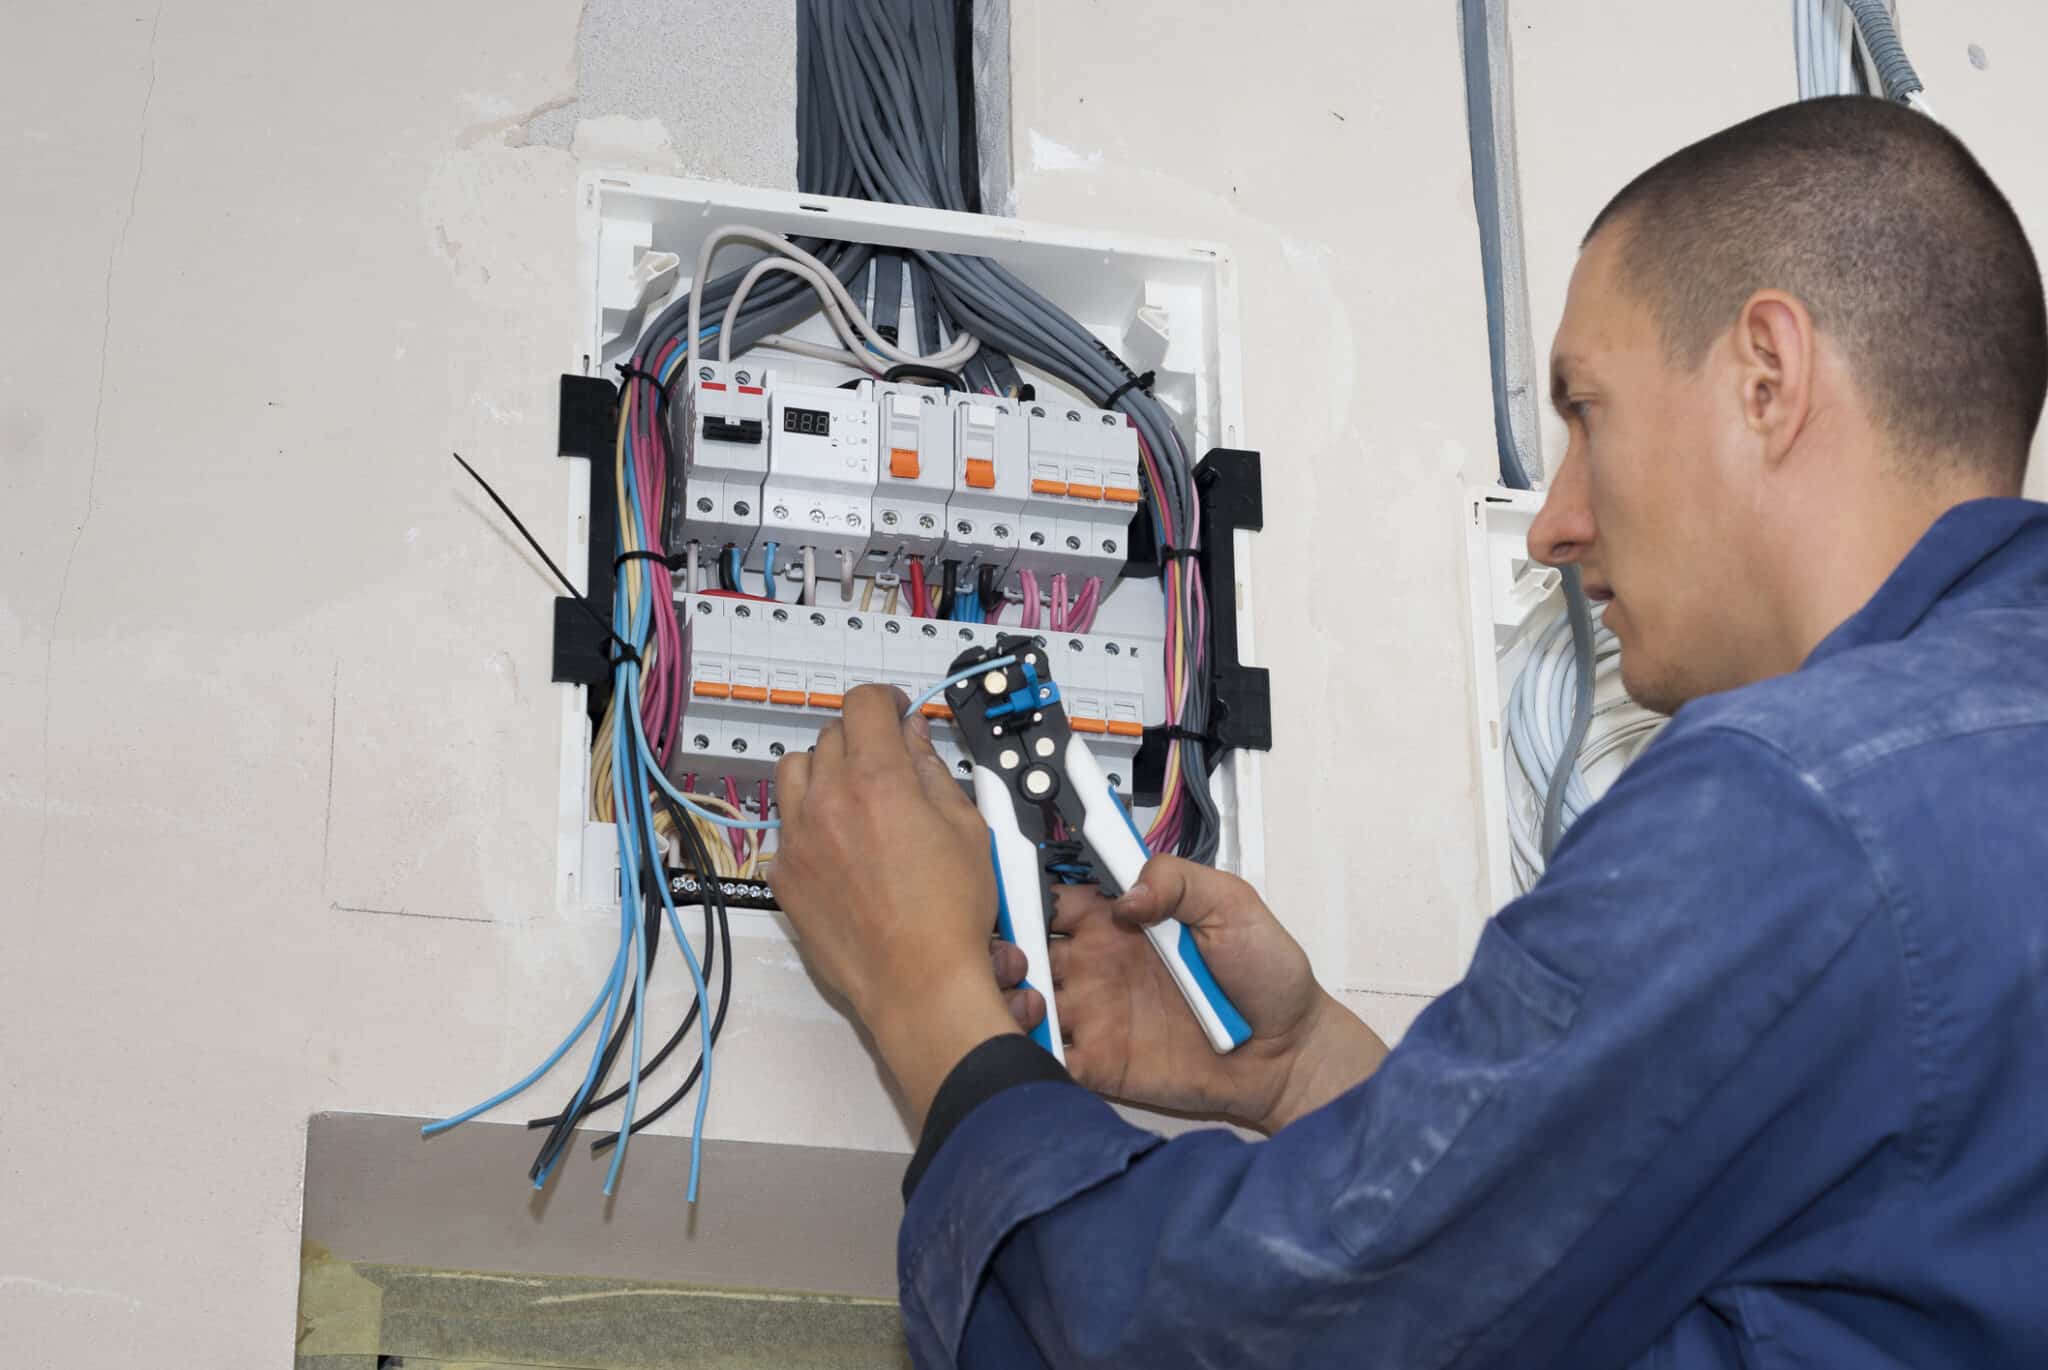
1083 467
991 479
914 475
820 486
724 441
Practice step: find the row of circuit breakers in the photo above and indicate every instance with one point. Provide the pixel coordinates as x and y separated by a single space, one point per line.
868 478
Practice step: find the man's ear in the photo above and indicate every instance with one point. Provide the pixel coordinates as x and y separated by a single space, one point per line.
1775 352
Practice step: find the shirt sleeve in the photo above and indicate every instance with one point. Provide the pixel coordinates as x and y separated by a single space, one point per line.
1641 1030
994 1066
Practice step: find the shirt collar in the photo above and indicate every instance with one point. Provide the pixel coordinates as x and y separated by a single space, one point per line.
1967 544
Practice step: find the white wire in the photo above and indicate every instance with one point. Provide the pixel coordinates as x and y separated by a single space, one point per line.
836 306
845 577
843 356
810 560
839 304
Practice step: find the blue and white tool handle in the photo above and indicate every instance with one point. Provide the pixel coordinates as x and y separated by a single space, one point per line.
1020 899
1119 849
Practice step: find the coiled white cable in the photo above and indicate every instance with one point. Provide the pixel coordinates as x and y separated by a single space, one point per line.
1537 721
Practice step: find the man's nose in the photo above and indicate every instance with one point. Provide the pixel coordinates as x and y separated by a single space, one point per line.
1563 530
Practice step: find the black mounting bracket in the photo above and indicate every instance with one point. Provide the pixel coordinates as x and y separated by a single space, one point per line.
1231 497
588 427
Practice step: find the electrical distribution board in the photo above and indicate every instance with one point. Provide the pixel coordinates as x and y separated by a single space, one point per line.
805 496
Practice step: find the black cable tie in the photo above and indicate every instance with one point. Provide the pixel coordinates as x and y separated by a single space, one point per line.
618 650
1175 733
1143 382
628 372
1179 554
673 563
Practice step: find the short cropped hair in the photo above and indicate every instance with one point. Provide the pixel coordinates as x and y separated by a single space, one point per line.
1895 239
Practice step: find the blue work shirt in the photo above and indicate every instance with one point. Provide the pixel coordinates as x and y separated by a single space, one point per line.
1756 1076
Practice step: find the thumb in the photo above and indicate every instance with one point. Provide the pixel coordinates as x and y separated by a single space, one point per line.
1172 887
932 773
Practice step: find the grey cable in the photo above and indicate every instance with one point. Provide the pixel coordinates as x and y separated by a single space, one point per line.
885 66
1581 615
1476 20
1474 25
1895 74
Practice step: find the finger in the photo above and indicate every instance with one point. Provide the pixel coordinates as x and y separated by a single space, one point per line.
792 779
1073 905
1009 963
1170 887
828 753
873 716
933 775
1060 955
1027 1006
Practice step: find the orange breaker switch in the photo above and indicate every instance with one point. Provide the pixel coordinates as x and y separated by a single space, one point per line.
981 473
903 463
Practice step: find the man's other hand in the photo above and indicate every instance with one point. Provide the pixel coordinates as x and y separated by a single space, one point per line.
1132 1036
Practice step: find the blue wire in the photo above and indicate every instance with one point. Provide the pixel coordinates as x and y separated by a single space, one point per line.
703 998
629 909
609 992
631 837
768 569
514 1091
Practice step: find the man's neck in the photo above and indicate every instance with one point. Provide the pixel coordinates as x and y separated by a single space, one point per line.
1853 541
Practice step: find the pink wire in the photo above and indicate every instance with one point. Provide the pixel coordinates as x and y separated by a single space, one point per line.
1087 606
738 836
1027 612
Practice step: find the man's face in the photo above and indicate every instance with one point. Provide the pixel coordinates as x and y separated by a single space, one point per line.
1649 498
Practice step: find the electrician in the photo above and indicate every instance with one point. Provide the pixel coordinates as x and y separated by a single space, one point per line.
1758 1073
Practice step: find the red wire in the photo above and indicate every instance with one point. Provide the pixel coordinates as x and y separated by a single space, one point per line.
919 605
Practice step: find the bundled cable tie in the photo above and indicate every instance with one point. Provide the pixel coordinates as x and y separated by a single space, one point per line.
629 372
1142 382
673 563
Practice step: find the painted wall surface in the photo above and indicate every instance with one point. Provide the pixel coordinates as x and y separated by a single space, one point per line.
278 752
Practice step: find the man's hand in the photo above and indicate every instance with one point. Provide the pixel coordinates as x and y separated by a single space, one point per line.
883 866
1131 1034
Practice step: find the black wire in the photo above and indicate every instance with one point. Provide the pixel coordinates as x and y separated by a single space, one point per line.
541 552
963 73
985 587
667 1048
947 589
562 1126
918 371
714 900
564 1123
